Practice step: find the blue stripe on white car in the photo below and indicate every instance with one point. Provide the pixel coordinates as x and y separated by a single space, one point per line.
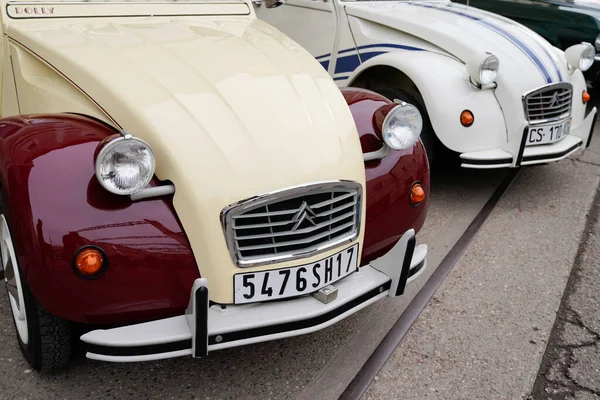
507 35
349 59
526 31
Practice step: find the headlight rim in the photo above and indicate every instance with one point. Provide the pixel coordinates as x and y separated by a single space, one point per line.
593 55
390 115
475 69
486 59
106 146
574 56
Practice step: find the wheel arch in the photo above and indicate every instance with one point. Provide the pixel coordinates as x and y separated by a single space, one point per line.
389 213
442 85
385 75
55 206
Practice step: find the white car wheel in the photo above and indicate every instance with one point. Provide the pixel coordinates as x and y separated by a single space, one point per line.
12 279
44 338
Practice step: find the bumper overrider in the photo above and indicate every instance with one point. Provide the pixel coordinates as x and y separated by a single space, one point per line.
579 138
206 327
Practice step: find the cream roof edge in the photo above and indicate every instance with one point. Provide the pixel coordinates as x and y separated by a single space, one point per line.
40 9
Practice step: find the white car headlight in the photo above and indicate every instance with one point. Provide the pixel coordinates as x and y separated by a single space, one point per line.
483 70
402 126
581 56
125 165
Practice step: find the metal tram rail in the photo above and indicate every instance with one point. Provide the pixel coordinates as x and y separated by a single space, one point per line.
361 381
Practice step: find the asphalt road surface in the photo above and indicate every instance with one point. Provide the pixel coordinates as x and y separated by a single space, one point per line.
571 366
483 335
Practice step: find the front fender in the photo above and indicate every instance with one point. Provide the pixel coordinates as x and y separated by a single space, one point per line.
389 180
55 205
444 85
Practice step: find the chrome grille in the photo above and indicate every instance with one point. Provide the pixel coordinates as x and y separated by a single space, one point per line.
292 223
550 103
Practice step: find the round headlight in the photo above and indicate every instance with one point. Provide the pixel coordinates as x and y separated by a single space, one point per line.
587 58
402 126
125 165
580 56
488 70
483 70
597 43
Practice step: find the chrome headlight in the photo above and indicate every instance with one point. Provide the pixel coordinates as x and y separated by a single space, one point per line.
581 56
483 70
597 43
125 165
402 126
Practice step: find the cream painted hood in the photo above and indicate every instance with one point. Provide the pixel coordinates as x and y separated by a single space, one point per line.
231 107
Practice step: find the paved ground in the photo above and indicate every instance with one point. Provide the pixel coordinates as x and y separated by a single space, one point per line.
571 365
485 332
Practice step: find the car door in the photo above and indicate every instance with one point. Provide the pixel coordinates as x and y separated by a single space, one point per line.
308 22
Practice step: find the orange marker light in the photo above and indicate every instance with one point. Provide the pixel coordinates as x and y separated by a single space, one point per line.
89 261
467 118
585 96
417 194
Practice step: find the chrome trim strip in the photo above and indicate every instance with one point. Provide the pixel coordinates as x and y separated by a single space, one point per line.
300 241
318 205
227 220
155 191
560 119
322 214
298 231
542 89
377 155
541 109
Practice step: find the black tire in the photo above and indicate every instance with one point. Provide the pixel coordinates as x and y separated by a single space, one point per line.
433 147
48 347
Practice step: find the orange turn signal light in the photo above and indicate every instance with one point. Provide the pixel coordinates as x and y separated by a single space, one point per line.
585 96
467 118
90 261
417 194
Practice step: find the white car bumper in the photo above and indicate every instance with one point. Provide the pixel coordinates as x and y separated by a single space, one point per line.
203 328
579 138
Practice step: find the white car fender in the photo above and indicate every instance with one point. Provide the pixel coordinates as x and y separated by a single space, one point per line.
579 107
446 91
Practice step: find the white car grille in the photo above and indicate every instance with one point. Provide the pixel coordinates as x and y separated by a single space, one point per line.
550 103
293 223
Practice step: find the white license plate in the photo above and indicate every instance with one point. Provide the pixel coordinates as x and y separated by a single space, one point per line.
549 133
296 281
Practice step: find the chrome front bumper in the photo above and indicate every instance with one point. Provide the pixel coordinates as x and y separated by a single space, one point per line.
579 138
203 328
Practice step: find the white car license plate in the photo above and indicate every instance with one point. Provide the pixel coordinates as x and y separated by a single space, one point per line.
296 281
549 133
